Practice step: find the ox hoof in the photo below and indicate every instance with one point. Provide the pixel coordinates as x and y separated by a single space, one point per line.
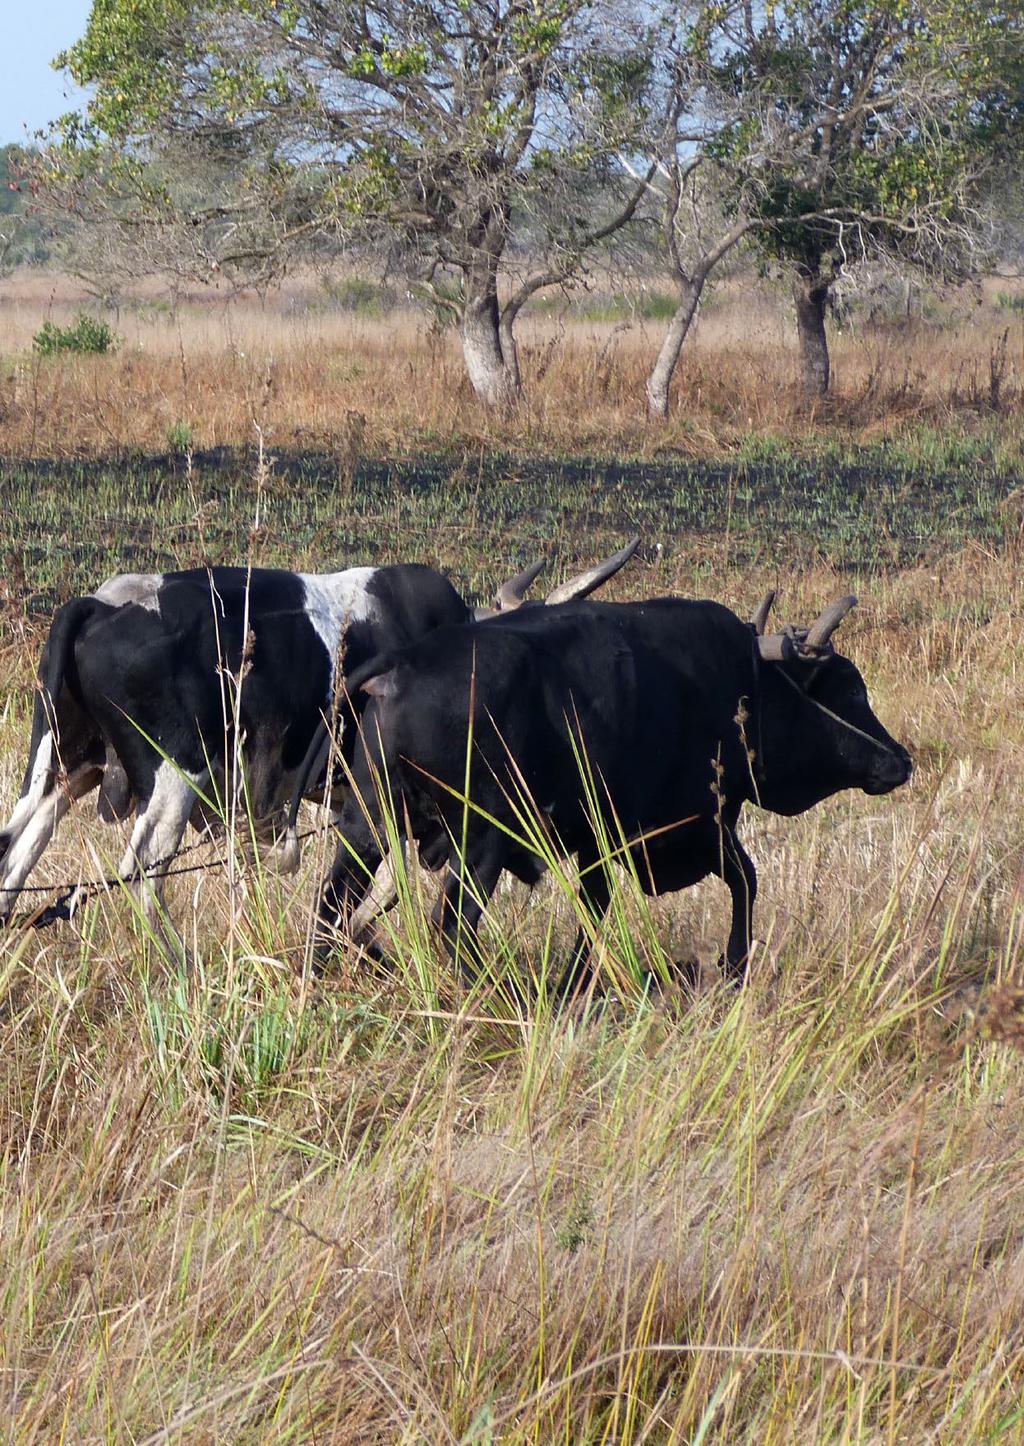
735 974
328 949
686 973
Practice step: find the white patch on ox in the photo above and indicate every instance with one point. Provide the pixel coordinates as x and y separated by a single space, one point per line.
382 895
140 588
38 828
159 827
333 601
26 806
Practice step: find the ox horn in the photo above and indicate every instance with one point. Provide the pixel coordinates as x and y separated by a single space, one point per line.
587 582
820 632
510 595
776 647
760 619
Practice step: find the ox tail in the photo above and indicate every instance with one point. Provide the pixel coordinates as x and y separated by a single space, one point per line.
44 745
68 623
287 852
53 671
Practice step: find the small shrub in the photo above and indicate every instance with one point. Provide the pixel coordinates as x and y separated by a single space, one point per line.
87 336
361 297
577 1226
1010 301
151 309
635 306
180 438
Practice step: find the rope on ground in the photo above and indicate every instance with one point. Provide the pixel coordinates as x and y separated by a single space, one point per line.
73 895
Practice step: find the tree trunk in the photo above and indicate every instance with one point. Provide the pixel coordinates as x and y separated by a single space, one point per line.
811 295
495 383
660 379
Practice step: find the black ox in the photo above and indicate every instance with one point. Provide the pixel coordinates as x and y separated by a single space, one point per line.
682 712
150 687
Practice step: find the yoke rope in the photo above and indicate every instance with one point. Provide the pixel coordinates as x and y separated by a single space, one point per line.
876 742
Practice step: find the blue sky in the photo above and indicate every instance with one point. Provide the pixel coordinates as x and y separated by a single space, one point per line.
31 34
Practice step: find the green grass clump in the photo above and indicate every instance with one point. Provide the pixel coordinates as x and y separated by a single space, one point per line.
1010 301
87 336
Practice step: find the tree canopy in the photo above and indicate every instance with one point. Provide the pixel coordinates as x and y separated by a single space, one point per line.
894 110
451 122
493 144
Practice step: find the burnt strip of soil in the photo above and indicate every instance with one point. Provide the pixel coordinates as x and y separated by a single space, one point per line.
65 525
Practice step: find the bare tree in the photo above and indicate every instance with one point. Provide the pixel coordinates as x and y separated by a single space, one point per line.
697 238
21 233
185 212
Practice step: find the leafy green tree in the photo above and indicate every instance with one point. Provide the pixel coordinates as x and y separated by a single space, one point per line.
898 110
453 124
825 132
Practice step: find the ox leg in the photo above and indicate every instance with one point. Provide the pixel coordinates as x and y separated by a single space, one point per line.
357 858
740 877
32 828
467 888
156 838
595 896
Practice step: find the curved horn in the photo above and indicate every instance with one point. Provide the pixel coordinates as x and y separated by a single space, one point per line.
760 619
510 595
819 633
587 582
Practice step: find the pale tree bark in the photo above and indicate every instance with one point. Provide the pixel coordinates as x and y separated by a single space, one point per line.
493 380
492 367
487 326
810 294
660 379
690 283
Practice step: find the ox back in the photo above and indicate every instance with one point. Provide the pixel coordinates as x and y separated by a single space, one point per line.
680 721
152 687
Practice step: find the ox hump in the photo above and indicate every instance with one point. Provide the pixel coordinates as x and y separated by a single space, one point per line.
141 588
335 600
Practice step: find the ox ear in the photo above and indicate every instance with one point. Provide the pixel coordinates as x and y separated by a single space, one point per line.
587 582
380 687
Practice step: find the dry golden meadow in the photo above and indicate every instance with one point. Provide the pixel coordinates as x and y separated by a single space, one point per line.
239 1205
321 374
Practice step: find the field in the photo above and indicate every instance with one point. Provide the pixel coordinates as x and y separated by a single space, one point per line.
241 1205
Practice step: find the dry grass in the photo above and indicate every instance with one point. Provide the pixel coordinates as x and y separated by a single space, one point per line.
322 373
236 1208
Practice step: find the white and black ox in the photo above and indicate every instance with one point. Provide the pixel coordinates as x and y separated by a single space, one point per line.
150 688
682 712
